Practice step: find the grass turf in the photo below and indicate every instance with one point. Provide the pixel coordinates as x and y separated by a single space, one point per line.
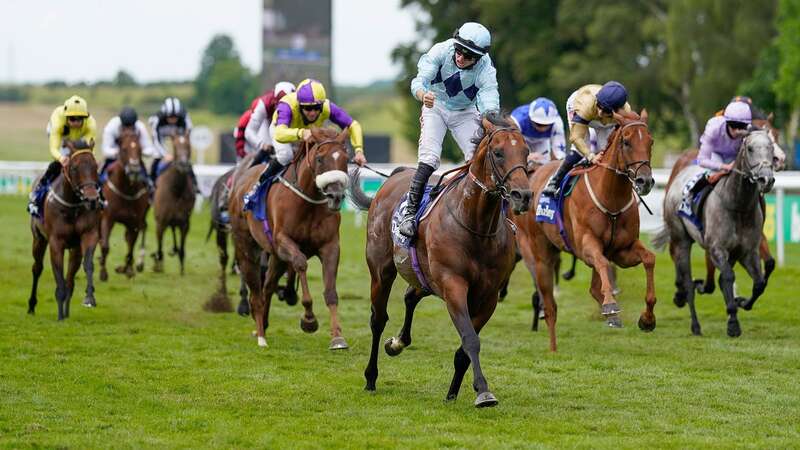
150 368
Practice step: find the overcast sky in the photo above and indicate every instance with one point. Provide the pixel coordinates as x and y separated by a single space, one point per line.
88 40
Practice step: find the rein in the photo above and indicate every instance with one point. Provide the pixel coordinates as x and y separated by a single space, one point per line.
78 189
128 197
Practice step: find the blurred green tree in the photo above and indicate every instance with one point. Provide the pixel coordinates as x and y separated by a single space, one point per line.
224 84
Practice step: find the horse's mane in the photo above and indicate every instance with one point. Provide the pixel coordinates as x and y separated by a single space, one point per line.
497 118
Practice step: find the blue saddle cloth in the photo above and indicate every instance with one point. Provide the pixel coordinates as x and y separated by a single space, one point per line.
38 196
549 209
162 167
400 211
256 200
692 203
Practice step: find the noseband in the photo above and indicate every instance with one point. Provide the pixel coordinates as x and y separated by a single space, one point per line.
751 172
65 171
631 169
500 187
296 189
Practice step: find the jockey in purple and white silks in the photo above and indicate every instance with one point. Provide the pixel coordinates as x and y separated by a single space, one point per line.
542 128
456 82
723 136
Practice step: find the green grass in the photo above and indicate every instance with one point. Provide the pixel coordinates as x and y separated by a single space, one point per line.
150 368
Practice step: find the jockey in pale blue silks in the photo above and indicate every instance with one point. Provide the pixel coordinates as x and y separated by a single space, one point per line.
543 130
456 82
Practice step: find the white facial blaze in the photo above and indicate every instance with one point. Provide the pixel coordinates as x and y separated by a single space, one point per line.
336 156
513 142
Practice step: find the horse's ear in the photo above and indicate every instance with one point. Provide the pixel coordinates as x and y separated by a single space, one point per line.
488 125
342 137
619 118
643 115
771 117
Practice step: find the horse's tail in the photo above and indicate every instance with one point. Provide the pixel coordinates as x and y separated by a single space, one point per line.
357 195
661 239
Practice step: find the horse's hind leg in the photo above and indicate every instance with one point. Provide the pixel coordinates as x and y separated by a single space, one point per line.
630 257
726 280
142 250
707 286
130 238
275 270
88 244
57 262
39 247
72 269
288 293
174 250
159 254
395 345
222 248
247 255
752 263
106 224
766 256
570 274
329 255
380 288
182 249
681 252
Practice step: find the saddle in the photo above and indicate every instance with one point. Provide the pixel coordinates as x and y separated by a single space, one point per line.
694 198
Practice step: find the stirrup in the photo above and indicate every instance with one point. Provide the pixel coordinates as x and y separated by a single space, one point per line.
408 220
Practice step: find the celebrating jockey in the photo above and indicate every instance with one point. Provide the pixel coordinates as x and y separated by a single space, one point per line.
256 134
294 115
542 128
456 83
171 119
70 121
592 106
127 119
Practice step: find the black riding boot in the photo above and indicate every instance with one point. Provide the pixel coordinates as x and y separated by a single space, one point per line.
415 192
42 186
261 157
272 169
573 157
154 170
104 169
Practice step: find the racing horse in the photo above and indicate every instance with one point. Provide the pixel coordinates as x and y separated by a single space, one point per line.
469 220
302 220
732 227
600 223
174 200
126 194
70 221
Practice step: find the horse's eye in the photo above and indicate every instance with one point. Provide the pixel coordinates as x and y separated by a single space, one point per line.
319 159
498 154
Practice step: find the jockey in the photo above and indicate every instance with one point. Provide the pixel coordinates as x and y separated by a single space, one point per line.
127 119
171 119
242 147
256 134
592 106
294 115
757 114
542 128
70 121
723 136
456 83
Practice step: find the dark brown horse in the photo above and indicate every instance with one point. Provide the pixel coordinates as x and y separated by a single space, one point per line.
601 221
302 221
174 200
465 249
71 220
688 158
126 191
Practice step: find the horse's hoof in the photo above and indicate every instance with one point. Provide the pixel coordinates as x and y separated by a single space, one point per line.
309 326
485 399
679 299
393 346
89 302
103 275
140 267
287 295
243 309
644 325
734 330
119 269
568 275
696 330
370 386
262 341
744 303
614 321
609 309
338 343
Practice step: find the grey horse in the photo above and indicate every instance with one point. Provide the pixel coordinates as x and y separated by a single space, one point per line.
733 221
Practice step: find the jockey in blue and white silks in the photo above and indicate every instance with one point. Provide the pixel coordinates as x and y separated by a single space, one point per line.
543 130
456 82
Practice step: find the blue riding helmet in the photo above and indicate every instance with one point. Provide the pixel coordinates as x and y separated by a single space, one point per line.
474 37
612 96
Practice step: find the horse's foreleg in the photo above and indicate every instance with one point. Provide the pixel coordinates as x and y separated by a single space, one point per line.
637 253
72 268
395 345
766 256
130 238
39 247
57 262
88 244
159 254
222 248
540 258
174 250
593 250
382 279
247 255
182 249
106 224
288 251
455 295
707 286
726 279
752 263
142 250
329 256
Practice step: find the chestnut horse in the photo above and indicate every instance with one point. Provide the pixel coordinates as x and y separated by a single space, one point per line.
125 192
302 221
601 222
688 158
174 200
70 220
464 249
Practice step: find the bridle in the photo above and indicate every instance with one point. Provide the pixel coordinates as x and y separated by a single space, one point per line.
296 189
80 188
499 180
750 172
630 169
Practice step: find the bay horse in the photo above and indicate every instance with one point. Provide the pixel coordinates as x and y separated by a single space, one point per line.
601 223
464 249
733 222
70 221
126 194
688 158
174 200
302 221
